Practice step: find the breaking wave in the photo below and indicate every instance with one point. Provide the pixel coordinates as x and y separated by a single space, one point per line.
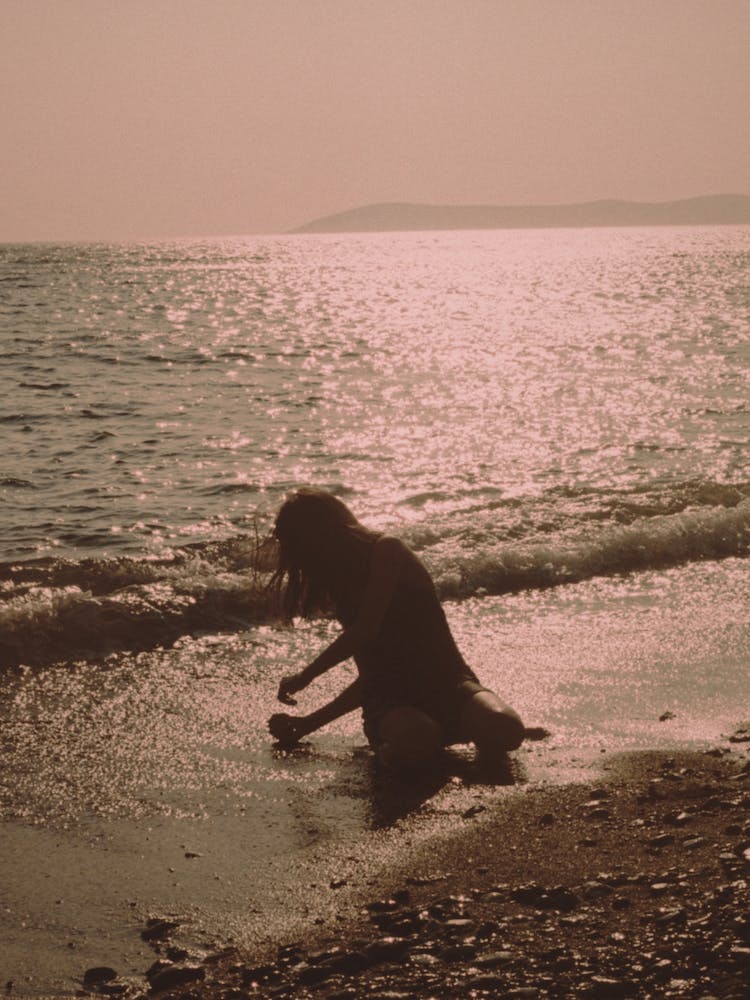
55 610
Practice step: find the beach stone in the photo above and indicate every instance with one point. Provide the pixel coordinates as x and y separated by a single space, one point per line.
604 988
175 954
529 894
176 975
350 963
600 812
316 957
428 879
382 906
487 981
464 952
661 970
98 974
158 966
678 818
487 929
158 928
454 924
659 888
311 975
258 973
495 959
671 916
595 890
561 898
402 927
557 898
661 840
692 842
473 811
423 958
388 949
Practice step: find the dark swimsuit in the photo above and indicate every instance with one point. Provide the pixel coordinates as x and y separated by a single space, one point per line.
414 660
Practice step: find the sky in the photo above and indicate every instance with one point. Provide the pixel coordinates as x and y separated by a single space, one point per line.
130 119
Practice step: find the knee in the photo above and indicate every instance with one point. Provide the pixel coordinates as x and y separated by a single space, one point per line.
409 740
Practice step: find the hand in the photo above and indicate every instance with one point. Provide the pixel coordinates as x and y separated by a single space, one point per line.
288 687
287 729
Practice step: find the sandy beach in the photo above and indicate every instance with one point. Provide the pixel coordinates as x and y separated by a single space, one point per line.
633 883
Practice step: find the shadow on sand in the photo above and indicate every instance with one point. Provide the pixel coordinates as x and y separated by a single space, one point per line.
396 796
393 796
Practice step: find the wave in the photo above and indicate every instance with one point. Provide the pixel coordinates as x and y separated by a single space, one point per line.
651 543
21 484
53 610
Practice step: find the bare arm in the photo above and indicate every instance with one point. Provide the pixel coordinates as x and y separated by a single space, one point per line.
290 729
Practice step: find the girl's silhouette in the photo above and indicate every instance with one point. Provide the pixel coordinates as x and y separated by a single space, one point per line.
416 692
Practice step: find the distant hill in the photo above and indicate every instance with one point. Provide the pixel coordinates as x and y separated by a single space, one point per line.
712 210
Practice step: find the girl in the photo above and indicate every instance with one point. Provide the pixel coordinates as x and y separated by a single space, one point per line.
416 692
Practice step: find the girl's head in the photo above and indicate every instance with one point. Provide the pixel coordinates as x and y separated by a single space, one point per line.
320 550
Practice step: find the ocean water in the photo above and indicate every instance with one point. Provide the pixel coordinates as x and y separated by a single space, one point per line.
558 421
523 407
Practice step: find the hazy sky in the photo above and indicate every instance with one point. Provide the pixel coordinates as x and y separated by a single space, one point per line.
136 118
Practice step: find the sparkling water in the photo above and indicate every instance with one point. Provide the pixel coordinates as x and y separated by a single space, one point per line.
556 420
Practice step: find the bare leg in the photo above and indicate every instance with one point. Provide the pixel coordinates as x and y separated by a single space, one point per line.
409 739
492 725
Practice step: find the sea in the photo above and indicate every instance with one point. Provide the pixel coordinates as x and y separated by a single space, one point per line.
557 421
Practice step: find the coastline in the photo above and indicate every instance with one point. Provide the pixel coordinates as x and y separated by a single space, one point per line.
631 884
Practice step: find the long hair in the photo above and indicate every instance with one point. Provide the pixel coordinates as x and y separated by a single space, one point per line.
322 553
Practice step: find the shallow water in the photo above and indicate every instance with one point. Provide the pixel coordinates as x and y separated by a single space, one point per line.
112 772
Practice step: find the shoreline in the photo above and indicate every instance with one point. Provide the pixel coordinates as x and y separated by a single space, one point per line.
634 884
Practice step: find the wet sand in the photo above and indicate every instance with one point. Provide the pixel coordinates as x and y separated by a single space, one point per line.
144 787
633 883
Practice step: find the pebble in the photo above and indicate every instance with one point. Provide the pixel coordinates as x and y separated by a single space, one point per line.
692 842
473 811
382 906
659 888
176 975
661 840
387 949
595 890
494 959
157 929
545 940
97 975
487 981
604 988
